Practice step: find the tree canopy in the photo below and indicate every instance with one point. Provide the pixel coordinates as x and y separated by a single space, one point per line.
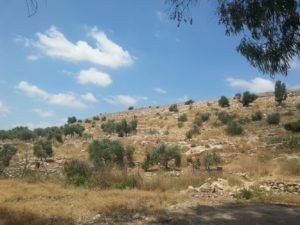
269 29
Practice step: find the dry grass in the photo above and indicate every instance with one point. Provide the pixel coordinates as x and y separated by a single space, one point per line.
282 198
48 200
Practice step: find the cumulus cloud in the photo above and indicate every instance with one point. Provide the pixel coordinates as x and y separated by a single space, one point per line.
53 43
124 100
43 113
3 108
160 90
62 99
93 76
255 85
89 97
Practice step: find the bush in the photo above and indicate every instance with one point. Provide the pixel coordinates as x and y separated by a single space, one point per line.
248 98
180 124
96 118
244 120
73 130
78 172
273 118
211 159
204 117
223 102
182 118
173 108
293 126
162 154
234 128
189 102
298 106
224 117
6 154
251 192
198 120
109 126
196 164
122 128
72 119
280 92
106 152
43 149
129 152
189 134
130 108
103 118
257 116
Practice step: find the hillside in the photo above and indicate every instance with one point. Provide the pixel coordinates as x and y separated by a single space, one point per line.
264 155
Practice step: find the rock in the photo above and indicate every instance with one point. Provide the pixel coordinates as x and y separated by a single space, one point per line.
206 187
136 216
191 189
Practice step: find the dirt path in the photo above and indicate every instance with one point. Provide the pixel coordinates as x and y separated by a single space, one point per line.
226 214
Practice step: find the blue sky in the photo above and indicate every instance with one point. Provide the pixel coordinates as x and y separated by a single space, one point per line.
79 59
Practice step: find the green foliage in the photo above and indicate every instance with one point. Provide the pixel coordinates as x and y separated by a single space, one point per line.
223 102
280 92
182 118
291 143
189 102
234 128
109 126
162 154
50 133
96 118
293 126
106 152
251 192
247 98
173 108
244 120
211 159
103 118
257 116
72 119
273 118
224 117
20 133
129 152
180 124
78 172
122 128
298 106
198 120
43 149
268 30
73 130
6 153
130 108
204 117
196 164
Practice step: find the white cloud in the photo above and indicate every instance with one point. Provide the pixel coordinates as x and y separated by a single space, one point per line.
160 90
124 100
89 97
3 109
183 99
255 85
92 76
63 99
43 113
161 16
32 57
53 43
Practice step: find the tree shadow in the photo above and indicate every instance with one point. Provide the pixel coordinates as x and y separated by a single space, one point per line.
234 214
13 217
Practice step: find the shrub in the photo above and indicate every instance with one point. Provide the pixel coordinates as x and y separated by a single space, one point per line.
103 118
196 164
189 134
290 142
280 92
162 154
109 126
298 106
223 102
6 153
122 128
248 98
72 119
106 152
211 159
182 118
96 118
173 108
257 116
293 126
189 102
130 108
73 130
251 192
204 117
180 124
129 152
78 172
234 128
198 120
43 149
224 117
273 118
